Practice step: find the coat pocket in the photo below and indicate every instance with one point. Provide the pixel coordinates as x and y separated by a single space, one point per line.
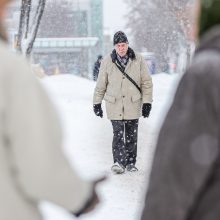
109 98
135 98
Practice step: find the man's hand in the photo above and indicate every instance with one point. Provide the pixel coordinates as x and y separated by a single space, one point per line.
93 201
97 108
146 108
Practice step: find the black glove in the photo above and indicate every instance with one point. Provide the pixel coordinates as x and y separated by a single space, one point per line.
146 108
98 110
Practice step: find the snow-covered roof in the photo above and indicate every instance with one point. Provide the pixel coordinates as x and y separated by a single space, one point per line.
65 42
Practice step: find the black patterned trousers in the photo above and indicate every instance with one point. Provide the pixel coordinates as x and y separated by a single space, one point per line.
124 145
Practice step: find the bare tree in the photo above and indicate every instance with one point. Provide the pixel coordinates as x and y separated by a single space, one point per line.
158 26
29 24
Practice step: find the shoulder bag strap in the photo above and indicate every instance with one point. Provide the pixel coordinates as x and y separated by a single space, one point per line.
126 75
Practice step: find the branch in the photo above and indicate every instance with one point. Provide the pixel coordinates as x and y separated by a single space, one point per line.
21 25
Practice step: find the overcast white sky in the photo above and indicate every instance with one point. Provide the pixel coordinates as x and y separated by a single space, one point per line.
114 12
114 15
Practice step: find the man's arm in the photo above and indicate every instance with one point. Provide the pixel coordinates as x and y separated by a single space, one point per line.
146 83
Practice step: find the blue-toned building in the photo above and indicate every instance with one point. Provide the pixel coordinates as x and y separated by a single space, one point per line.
80 33
70 35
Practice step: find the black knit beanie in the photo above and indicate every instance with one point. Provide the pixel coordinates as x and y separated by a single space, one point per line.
209 15
120 37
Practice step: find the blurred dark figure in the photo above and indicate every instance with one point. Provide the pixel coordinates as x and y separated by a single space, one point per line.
32 165
185 178
165 67
152 67
96 67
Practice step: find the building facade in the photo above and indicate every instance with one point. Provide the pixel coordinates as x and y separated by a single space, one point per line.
70 36
78 21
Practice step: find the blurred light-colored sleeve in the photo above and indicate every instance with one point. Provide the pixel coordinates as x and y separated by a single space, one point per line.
34 140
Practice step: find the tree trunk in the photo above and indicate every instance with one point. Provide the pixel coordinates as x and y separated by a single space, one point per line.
29 25
21 26
35 27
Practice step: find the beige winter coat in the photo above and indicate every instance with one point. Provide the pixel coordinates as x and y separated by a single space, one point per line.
123 100
32 165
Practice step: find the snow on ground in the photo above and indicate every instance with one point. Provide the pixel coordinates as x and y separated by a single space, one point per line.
87 145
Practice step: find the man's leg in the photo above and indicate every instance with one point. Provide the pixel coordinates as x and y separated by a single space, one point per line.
118 145
131 136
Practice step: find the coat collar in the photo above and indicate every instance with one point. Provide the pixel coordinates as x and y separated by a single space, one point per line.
130 53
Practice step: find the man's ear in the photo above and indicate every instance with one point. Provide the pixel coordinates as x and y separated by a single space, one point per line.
2 11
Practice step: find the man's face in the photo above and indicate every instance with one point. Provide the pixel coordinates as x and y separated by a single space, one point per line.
121 49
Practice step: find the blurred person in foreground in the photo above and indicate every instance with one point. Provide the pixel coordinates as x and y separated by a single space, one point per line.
185 177
32 165
126 86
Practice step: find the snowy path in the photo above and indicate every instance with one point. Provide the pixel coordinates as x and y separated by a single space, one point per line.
87 143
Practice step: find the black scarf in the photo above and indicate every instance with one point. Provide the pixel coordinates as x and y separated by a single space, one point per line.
123 60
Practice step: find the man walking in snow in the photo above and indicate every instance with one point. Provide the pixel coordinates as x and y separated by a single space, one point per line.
126 86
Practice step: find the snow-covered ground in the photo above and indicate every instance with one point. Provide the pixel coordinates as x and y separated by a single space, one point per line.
87 145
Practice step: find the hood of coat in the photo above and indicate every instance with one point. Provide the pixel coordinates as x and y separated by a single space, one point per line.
210 40
130 53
